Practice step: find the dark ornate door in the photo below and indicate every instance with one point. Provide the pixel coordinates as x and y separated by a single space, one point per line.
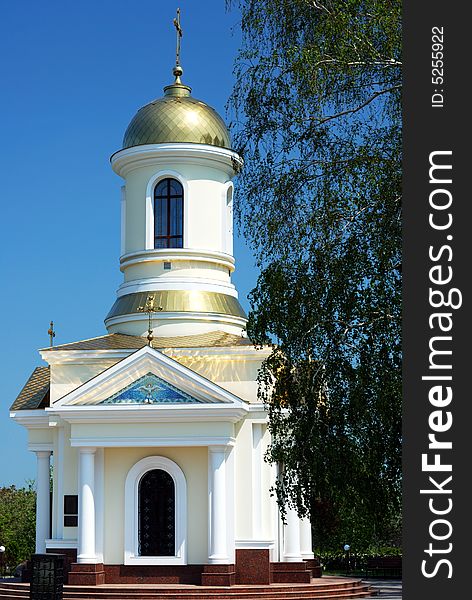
156 502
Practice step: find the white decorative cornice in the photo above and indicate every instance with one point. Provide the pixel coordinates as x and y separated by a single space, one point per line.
31 419
41 447
152 442
161 318
150 413
61 544
136 157
84 357
158 284
173 254
254 544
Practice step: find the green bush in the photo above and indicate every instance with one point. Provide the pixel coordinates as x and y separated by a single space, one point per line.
336 560
17 523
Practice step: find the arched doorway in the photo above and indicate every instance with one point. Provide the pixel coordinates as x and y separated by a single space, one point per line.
156 514
155 525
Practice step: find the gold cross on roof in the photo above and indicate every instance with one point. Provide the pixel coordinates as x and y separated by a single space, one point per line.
149 309
51 333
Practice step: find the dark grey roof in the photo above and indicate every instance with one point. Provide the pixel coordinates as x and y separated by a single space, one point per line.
35 393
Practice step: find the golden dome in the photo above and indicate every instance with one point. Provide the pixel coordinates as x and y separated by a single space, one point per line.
177 117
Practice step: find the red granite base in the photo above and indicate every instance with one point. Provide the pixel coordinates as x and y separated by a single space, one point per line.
314 565
290 572
154 574
253 567
218 575
84 574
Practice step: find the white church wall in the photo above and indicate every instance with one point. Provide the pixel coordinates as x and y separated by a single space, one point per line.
135 214
40 436
194 269
243 476
268 515
206 215
194 463
205 207
118 433
253 523
247 390
233 373
68 377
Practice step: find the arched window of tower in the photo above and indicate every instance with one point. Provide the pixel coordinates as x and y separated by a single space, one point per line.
168 214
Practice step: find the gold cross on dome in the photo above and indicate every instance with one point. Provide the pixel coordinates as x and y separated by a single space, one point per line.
179 33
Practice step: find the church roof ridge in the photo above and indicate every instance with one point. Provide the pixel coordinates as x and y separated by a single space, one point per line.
123 341
101 340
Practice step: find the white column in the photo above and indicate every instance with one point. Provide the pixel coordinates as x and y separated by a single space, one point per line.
292 551
59 483
306 546
230 505
43 500
218 551
257 459
86 537
99 503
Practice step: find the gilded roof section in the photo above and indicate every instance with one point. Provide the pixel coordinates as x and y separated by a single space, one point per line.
35 393
177 119
121 341
179 301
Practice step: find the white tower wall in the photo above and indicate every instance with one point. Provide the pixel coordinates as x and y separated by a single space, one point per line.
192 283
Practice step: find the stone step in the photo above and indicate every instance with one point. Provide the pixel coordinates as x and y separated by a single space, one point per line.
334 590
352 596
143 588
280 593
232 596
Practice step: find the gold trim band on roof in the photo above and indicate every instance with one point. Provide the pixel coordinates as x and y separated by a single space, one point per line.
179 301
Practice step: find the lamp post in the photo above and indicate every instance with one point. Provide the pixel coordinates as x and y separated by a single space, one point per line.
347 547
2 557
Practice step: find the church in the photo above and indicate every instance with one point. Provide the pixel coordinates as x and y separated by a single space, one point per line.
153 432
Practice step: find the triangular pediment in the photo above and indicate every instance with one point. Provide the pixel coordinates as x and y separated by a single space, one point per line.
150 389
147 379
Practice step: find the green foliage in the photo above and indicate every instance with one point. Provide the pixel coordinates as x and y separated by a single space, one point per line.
317 106
17 523
335 561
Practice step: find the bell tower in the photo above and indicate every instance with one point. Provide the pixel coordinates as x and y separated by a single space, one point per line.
176 219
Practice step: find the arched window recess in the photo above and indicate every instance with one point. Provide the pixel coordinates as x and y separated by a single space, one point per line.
168 214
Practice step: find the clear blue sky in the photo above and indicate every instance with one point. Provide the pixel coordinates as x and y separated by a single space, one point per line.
72 76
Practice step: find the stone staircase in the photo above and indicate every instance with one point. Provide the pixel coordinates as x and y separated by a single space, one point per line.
327 588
